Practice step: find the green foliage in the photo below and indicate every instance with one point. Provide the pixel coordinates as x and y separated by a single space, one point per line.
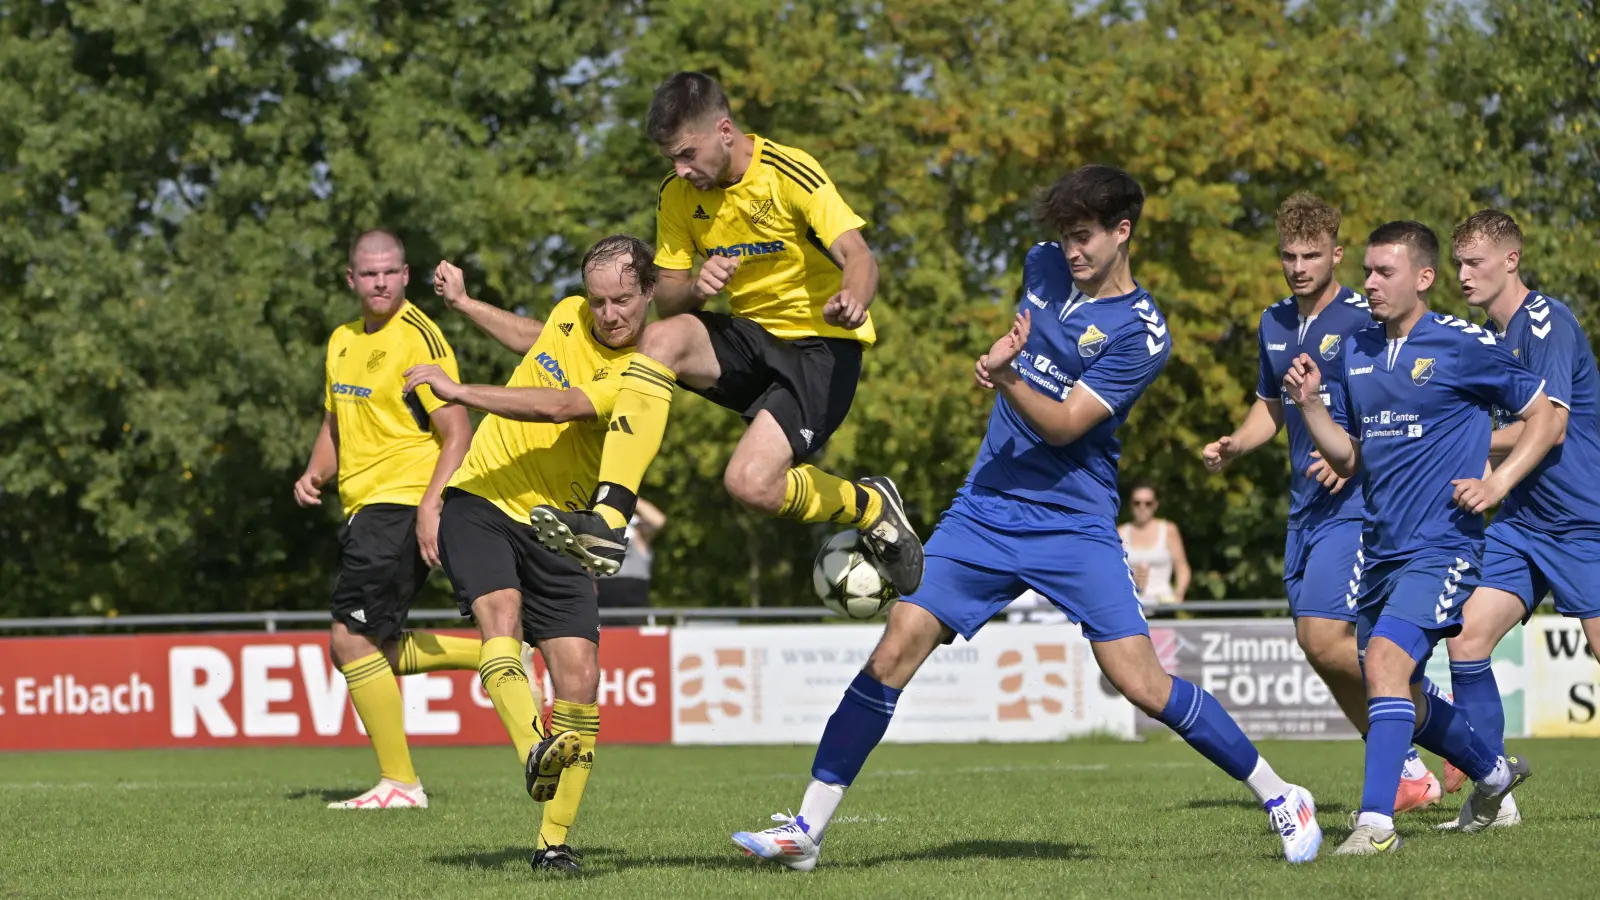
178 180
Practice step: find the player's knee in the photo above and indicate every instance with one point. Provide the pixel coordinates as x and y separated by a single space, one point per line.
1470 644
577 682
499 614
1148 691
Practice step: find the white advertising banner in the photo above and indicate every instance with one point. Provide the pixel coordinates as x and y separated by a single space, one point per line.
1566 679
779 685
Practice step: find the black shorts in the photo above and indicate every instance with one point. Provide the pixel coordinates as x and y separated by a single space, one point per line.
484 550
807 384
380 570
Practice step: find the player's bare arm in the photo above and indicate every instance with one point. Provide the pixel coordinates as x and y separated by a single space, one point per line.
859 283
1303 382
324 463
1261 424
1058 422
455 429
1542 424
518 404
515 333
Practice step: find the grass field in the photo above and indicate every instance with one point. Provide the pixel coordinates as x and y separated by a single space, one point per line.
1077 819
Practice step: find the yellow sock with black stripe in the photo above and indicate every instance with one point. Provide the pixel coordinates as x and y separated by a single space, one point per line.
506 683
376 695
638 422
812 495
562 810
424 651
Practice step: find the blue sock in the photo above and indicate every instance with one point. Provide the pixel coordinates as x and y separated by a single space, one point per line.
1390 722
1198 718
1448 733
854 729
1478 698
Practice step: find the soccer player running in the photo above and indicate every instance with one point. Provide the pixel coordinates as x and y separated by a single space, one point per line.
1546 537
1039 511
1418 390
778 238
392 450
540 444
1324 534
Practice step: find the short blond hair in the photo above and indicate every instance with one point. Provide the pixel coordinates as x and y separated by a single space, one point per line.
1487 225
376 239
1305 217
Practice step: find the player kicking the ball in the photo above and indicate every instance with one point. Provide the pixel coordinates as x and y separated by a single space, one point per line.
1039 510
1419 388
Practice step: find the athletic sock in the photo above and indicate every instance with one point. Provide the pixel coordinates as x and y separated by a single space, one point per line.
376 695
1478 698
425 651
1265 783
1198 718
1390 722
562 809
638 422
812 495
506 683
818 806
854 729
1446 732
1414 767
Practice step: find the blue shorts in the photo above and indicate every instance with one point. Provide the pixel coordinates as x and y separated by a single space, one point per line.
989 548
1427 591
1530 564
1319 563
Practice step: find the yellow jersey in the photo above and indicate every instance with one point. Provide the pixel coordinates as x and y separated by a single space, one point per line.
780 220
520 465
387 445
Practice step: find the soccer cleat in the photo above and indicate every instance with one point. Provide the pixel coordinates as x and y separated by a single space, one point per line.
547 760
582 535
1486 801
1294 817
789 843
557 858
1508 815
892 540
1454 778
1369 840
1417 793
387 795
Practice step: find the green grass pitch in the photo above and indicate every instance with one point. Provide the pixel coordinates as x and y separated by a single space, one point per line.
1090 819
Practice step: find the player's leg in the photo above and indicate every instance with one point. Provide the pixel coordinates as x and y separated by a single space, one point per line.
1391 721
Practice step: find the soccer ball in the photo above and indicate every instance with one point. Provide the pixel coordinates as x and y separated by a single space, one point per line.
847 579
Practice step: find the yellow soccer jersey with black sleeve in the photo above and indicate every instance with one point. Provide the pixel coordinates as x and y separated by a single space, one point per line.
780 220
387 446
520 465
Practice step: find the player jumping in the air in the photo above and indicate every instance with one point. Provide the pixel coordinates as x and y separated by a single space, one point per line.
540 444
777 237
1039 511
1324 510
1546 537
392 451
1418 389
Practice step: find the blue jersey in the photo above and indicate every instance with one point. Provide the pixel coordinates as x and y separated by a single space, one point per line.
1561 496
1421 409
1283 336
1113 347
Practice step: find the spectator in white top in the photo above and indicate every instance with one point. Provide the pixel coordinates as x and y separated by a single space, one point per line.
1155 551
630 587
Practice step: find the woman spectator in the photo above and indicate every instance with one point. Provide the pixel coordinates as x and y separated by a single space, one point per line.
1155 552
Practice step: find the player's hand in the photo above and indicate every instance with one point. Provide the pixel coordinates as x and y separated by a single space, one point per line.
1478 494
996 364
1303 381
844 310
308 490
444 387
449 283
1323 474
428 530
1219 453
715 275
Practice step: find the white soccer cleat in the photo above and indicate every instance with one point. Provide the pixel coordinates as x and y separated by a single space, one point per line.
1507 816
387 795
1294 817
789 843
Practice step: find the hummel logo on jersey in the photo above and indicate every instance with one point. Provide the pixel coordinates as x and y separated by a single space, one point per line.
1361 370
620 423
1422 371
700 212
1277 346
1091 342
1035 299
1330 346
566 329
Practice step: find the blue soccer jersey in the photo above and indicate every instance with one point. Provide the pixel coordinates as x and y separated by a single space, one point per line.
1420 406
1284 335
1112 347
1561 496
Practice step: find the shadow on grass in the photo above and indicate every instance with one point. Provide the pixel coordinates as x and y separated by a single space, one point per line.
1323 809
329 795
607 860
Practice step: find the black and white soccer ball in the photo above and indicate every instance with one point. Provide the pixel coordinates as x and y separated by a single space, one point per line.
847 579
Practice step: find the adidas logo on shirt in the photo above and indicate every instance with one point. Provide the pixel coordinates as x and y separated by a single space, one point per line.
700 212
566 328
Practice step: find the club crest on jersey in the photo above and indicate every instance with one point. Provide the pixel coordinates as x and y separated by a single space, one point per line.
1091 342
1330 346
1422 371
761 213
375 360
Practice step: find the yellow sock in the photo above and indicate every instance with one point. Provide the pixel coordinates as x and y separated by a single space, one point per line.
813 495
562 810
638 422
376 695
506 683
424 651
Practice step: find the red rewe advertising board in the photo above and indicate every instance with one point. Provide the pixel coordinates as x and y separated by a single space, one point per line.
215 690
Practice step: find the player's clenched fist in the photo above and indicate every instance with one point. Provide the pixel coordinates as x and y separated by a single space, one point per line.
1218 454
1477 494
308 490
997 362
844 310
715 275
448 283
1303 381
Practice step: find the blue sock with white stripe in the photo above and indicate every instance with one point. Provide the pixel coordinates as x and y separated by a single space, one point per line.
1447 732
854 729
1478 698
1198 718
1390 722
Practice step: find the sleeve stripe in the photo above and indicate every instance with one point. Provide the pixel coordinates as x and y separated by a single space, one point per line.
434 342
816 241
438 336
794 174
1533 398
815 175
1093 393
